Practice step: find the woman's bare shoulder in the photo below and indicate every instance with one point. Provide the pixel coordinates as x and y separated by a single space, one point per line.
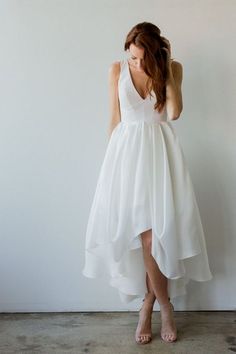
177 69
114 70
176 65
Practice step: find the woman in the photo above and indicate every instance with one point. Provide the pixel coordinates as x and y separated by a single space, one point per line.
144 228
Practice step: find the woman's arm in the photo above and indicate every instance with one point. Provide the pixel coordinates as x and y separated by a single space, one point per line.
114 105
174 102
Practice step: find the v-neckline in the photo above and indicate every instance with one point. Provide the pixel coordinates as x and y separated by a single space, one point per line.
132 83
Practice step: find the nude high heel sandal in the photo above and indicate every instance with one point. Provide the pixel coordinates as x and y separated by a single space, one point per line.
148 336
175 336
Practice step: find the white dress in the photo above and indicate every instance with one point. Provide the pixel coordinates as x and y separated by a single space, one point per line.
144 183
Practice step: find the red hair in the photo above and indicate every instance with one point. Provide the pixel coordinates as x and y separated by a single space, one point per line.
147 36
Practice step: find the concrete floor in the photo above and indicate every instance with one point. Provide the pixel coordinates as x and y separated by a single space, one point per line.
113 333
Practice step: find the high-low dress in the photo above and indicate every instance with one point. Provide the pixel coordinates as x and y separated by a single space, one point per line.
144 183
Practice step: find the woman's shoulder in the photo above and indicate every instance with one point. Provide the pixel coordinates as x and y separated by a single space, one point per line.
177 70
114 69
115 66
176 65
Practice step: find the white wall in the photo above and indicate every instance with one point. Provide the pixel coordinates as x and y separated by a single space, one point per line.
54 116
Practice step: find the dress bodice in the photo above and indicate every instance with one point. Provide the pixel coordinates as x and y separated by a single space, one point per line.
132 106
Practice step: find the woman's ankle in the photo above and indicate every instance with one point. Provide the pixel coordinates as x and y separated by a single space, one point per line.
165 303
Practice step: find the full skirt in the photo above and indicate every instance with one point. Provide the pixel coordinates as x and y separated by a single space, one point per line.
143 184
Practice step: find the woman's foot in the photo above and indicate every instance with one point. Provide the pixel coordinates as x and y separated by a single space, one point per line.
168 327
143 334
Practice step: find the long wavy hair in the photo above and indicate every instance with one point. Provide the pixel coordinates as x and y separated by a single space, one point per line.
147 36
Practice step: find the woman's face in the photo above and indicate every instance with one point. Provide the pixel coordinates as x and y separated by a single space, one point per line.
136 57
